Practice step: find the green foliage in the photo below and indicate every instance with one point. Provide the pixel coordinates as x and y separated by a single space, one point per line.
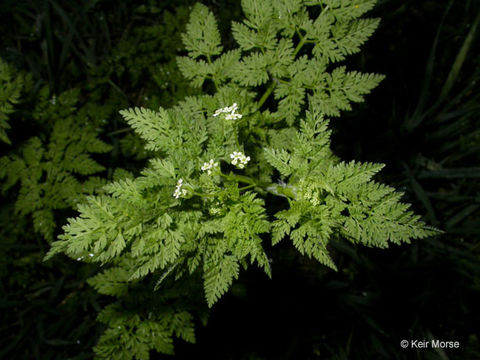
422 135
131 335
199 209
202 37
11 86
141 67
336 198
264 56
59 148
54 174
284 68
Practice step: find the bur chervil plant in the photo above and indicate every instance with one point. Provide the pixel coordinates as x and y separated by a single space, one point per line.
198 211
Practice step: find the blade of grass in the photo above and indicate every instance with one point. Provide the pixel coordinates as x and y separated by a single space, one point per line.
48 47
87 53
460 59
419 114
461 215
421 195
441 354
472 172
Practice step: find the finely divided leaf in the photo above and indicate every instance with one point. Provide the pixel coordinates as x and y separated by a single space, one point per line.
202 36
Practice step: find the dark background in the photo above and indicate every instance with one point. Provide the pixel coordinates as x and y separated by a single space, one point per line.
422 122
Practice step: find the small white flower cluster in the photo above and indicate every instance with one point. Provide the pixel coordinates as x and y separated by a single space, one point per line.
239 159
208 166
230 111
178 190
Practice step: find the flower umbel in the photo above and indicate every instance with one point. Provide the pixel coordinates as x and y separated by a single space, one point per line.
230 111
209 166
239 159
178 190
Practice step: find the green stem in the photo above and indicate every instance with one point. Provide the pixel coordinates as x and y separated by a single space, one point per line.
266 94
240 178
303 40
213 78
284 191
120 131
203 194
272 188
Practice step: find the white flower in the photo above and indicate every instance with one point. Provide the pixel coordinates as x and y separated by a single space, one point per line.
208 166
178 190
230 111
233 116
239 159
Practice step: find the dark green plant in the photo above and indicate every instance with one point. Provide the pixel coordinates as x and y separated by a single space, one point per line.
55 175
427 290
223 159
53 160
